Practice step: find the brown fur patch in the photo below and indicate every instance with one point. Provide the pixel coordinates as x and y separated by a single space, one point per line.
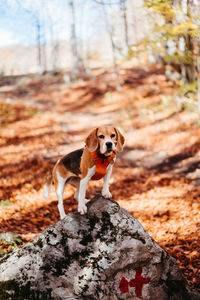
86 162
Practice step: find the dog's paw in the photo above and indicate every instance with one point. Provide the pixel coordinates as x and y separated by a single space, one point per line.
82 208
106 194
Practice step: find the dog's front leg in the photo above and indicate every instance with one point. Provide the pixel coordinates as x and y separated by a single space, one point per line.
82 208
105 190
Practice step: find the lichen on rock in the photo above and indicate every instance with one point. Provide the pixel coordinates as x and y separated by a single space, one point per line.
105 254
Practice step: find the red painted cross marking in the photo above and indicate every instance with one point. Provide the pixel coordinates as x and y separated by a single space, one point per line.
137 283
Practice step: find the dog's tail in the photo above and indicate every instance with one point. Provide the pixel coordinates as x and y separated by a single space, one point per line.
47 186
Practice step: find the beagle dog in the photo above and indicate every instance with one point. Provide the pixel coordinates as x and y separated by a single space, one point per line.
93 162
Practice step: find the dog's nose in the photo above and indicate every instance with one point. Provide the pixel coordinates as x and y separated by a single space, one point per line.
109 145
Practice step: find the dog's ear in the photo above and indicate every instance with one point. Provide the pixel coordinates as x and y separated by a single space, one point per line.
120 140
92 141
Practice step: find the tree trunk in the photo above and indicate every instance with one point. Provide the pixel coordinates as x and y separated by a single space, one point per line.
38 42
110 33
54 49
188 69
124 16
44 61
41 44
198 72
77 65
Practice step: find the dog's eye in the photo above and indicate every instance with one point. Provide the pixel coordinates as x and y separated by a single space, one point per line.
101 136
112 135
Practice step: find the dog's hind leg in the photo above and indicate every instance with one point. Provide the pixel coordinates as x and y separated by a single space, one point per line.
60 185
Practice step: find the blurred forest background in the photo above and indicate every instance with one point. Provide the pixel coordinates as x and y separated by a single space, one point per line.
67 66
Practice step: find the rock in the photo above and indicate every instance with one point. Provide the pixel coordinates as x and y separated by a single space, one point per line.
105 254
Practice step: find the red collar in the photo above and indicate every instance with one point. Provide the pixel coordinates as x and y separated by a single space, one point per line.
101 162
96 156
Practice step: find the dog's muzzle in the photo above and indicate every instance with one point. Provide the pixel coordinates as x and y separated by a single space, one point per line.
109 146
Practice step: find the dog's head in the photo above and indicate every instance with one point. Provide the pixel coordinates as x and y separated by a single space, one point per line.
105 139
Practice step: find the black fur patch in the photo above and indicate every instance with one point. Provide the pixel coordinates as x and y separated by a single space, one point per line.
72 160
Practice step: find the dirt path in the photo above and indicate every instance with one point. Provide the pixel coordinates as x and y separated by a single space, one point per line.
156 178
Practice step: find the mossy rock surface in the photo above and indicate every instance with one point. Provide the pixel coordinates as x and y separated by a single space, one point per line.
105 254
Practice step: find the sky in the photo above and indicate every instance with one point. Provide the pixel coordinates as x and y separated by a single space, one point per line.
17 20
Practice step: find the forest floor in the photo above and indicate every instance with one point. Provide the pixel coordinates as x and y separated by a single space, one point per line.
156 178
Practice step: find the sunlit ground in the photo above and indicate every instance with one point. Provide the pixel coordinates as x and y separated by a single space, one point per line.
156 178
